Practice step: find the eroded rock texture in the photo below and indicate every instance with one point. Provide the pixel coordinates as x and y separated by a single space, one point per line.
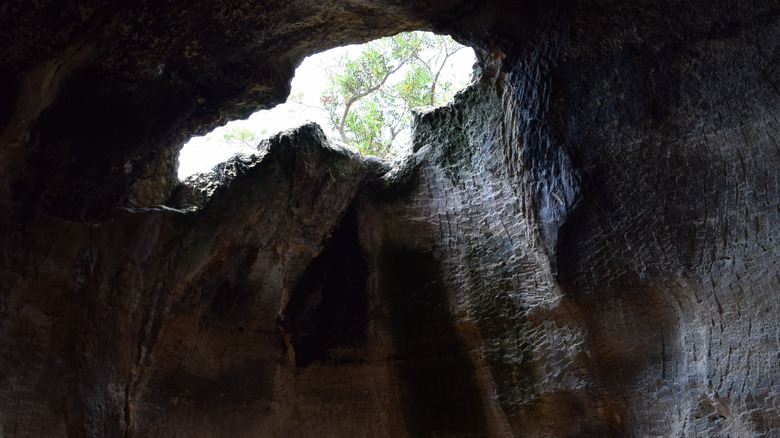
584 243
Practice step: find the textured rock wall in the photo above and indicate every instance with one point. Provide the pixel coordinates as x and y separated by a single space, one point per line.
584 243
163 322
673 248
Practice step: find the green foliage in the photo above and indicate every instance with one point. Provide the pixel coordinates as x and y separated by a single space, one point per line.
415 89
372 94
372 91
243 137
369 122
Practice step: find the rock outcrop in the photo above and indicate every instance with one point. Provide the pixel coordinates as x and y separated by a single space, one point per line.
584 243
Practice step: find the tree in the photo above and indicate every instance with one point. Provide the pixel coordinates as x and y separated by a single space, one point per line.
243 137
372 93
434 60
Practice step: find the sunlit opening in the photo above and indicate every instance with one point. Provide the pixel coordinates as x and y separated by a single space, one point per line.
360 95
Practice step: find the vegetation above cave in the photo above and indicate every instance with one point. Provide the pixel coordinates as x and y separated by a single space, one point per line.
362 95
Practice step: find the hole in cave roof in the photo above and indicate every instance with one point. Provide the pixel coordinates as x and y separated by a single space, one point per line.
315 96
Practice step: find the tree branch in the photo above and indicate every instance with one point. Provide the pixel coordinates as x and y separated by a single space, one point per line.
447 54
355 97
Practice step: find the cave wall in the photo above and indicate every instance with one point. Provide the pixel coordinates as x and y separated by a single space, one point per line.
584 243
685 144
690 150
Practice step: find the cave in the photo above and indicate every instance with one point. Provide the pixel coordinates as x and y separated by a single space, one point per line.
583 243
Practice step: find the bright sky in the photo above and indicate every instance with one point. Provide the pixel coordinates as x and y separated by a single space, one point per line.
200 154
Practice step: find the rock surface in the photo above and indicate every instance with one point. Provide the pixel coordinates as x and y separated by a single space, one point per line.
584 243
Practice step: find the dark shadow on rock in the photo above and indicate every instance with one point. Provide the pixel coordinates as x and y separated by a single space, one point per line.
328 307
438 385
